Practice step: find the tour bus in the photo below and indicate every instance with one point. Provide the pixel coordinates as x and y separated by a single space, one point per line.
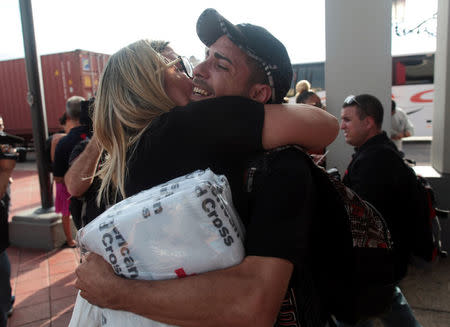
412 87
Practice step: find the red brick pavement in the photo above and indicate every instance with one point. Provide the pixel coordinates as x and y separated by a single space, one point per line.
24 191
43 282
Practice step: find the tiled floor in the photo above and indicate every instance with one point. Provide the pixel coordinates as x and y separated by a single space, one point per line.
43 282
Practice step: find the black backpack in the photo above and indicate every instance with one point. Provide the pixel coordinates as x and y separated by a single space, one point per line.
352 264
426 239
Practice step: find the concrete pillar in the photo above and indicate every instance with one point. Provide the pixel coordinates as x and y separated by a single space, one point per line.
440 147
358 60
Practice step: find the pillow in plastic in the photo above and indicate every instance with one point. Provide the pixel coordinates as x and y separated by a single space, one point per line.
183 227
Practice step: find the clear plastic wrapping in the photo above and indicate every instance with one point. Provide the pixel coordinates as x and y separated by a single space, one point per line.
183 227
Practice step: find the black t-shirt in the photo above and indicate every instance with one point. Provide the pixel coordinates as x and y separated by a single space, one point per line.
206 135
280 223
281 209
65 147
219 134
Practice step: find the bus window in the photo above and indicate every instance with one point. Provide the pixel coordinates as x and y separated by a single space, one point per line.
416 69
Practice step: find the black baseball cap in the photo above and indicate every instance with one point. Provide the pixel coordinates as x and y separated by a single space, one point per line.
256 42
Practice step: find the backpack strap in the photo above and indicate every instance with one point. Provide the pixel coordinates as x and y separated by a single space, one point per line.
261 166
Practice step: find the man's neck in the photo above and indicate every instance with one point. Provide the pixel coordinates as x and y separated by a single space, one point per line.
72 124
371 136
373 133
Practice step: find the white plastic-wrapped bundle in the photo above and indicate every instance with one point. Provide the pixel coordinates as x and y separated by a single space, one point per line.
185 226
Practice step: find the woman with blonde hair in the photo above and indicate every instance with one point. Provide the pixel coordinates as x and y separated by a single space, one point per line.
302 86
143 107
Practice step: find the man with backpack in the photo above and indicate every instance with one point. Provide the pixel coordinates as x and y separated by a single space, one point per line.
380 176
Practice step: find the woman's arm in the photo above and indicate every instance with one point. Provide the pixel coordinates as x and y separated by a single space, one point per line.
301 124
80 175
242 125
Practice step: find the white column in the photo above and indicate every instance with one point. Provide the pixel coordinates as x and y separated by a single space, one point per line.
358 60
440 147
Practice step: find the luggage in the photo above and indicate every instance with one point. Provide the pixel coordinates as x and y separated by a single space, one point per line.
183 227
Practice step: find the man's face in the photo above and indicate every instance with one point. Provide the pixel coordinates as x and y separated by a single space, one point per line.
223 72
356 131
2 126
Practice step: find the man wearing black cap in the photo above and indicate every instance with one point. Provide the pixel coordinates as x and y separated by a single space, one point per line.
264 289
242 59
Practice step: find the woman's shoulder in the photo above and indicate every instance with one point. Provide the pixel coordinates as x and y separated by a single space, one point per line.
220 102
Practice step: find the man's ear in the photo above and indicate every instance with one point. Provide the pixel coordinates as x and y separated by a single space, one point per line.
370 122
260 93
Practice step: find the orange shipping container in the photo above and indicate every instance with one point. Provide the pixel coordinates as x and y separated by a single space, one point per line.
63 74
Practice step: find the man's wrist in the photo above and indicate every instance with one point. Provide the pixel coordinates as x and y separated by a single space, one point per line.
120 299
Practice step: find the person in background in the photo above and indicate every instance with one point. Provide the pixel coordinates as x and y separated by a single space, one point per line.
378 174
302 86
57 136
76 133
8 157
401 126
309 97
52 141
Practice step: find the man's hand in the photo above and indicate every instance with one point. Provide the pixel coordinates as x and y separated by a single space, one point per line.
80 175
398 136
6 168
95 280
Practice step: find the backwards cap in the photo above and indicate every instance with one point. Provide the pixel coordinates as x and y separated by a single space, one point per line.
256 42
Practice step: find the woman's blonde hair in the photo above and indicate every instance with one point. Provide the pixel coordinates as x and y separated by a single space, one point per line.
130 95
302 86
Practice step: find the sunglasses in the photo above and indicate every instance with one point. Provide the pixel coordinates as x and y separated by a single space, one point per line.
183 65
351 99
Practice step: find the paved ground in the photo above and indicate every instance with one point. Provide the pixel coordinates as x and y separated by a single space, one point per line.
43 285
43 281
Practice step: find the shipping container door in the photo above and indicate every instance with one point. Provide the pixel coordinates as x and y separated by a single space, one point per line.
14 107
92 65
61 81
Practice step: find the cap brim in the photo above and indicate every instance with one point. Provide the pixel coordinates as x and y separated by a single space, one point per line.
211 26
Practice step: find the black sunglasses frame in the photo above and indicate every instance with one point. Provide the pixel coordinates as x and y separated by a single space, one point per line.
183 62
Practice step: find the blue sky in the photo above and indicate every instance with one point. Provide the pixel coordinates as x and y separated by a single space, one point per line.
107 25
